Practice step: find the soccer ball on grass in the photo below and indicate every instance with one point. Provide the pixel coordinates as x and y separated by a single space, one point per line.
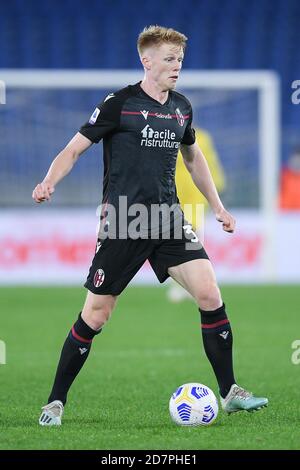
193 404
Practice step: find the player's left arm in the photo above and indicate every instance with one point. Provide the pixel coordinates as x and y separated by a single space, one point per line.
197 166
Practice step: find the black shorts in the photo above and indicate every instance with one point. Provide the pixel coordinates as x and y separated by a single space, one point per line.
117 261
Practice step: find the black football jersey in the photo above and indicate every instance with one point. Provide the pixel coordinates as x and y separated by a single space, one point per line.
141 138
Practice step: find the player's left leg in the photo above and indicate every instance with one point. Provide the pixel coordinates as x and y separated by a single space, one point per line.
115 263
197 277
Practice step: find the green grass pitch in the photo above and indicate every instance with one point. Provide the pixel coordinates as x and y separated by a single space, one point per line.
149 348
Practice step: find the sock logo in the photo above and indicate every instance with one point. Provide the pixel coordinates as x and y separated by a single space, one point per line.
82 350
224 334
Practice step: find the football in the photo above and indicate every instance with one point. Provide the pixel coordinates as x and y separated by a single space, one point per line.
193 404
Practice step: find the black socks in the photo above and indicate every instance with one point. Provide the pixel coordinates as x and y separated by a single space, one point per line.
74 354
217 341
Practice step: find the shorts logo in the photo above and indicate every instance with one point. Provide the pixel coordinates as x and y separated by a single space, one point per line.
179 116
94 116
99 277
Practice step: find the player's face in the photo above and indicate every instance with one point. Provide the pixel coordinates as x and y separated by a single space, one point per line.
165 64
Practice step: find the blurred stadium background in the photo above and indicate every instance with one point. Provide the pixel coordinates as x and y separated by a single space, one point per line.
54 243
37 121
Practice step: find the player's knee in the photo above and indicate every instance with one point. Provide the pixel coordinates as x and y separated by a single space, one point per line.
97 313
96 318
99 317
208 296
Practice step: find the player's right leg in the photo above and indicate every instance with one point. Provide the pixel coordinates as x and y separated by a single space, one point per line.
96 312
115 263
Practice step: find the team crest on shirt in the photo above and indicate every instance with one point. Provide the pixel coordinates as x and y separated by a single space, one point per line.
99 277
179 117
94 116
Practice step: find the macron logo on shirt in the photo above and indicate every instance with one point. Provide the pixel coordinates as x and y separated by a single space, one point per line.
145 114
111 95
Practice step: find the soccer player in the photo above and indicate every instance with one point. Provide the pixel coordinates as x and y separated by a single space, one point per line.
142 127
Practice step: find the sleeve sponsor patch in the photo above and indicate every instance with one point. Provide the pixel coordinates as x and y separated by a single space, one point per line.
94 116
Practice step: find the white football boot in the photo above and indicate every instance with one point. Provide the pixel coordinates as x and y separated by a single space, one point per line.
51 414
239 399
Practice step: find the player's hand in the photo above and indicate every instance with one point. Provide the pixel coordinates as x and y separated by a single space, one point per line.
228 221
42 192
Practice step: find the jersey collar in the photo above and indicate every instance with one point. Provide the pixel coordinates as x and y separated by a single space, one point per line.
150 97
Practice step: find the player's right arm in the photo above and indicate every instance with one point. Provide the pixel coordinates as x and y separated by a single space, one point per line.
105 119
60 167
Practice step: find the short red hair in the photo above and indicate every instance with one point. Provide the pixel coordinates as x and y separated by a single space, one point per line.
157 35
